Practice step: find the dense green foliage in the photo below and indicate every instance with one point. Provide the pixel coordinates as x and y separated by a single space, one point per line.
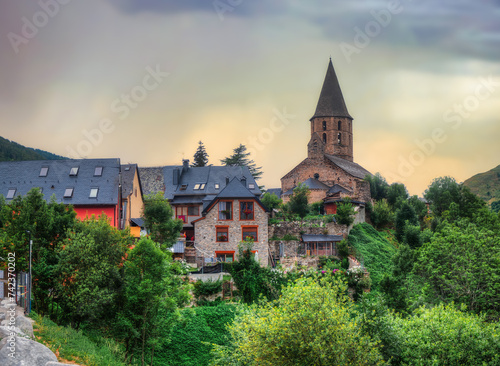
396 195
159 221
200 157
378 186
12 151
345 212
207 288
382 215
193 335
373 249
298 200
270 201
240 157
310 324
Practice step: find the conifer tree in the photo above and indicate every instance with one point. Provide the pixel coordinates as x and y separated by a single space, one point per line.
240 158
200 157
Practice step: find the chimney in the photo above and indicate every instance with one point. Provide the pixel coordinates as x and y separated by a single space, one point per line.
244 181
176 176
185 165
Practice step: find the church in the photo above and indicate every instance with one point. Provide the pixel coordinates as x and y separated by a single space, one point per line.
329 171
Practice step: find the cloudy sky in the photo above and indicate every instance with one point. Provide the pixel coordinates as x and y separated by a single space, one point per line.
145 80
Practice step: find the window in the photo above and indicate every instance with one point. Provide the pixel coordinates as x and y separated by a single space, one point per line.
339 138
74 171
183 187
198 186
316 176
251 185
224 256
324 138
193 211
217 186
98 171
181 213
246 211
68 193
44 171
324 125
225 210
340 125
249 232
93 192
11 193
221 233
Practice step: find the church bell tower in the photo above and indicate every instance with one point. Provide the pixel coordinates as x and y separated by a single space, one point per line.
331 125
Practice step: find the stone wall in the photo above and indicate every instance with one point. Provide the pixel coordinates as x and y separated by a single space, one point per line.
205 232
297 228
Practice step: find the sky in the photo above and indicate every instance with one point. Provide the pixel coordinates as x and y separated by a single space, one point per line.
145 80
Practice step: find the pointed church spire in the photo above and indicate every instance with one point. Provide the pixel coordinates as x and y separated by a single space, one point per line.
331 102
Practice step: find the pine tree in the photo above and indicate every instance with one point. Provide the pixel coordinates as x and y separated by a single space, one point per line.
200 157
240 158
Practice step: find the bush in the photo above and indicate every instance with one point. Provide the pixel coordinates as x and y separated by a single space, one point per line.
345 212
207 288
382 214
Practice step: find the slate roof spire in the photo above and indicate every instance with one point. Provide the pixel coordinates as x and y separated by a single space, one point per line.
331 102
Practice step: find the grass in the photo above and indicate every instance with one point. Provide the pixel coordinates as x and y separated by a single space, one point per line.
71 345
486 185
374 249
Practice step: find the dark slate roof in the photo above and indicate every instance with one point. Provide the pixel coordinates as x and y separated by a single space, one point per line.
338 188
24 175
313 183
138 221
235 189
320 238
331 102
275 191
128 175
161 179
350 167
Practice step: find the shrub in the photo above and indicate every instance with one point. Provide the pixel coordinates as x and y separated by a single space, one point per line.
207 288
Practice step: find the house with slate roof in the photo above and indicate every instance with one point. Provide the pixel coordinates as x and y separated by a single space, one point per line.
329 169
132 204
192 191
91 186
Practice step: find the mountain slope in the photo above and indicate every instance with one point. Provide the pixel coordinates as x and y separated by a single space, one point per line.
12 151
486 185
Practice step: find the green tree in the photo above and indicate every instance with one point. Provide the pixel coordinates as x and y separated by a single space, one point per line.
461 264
240 157
88 272
420 208
441 193
396 195
404 215
298 200
378 186
345 212
271 201
200 157
150 287
47 224
382 214
310 324
444 335
495 206
158 219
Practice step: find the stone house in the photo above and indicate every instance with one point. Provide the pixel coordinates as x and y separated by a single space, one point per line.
233 216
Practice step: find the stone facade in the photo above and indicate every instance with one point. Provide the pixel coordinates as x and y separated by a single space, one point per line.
331 135
206 229
329 174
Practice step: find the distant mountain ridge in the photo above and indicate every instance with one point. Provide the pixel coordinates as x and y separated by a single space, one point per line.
12 151
486 185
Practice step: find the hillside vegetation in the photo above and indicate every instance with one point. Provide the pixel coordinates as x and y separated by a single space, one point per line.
373 249
12 151
486 185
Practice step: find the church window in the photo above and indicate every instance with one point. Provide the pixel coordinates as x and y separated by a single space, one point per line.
340 125
324 138
316 176
324 125
339 138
